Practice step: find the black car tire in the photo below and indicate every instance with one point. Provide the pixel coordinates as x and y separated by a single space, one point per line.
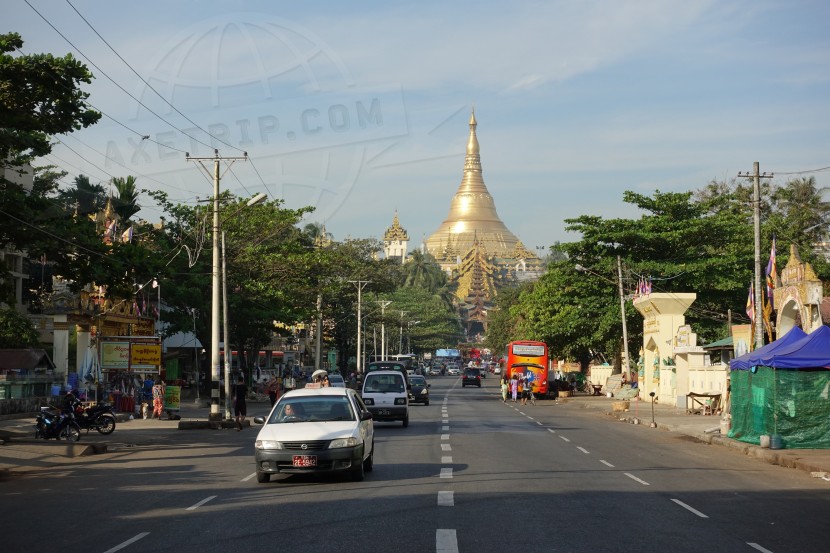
426 402
406 421
263 477
358 472
369 463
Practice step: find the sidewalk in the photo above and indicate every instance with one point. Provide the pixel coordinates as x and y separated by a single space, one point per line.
21 453
705 428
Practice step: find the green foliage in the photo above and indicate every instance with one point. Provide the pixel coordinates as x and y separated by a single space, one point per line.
40 96
16 331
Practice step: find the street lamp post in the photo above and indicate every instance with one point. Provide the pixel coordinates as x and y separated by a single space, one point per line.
360 285
626 365
228 360
409 326
383 305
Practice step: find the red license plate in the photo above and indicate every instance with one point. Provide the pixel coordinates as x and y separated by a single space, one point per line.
305 460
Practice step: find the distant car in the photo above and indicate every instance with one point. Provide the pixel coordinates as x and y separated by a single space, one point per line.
434 371
389 366
314 430
336 381
472 377
497 370
419 391
455 371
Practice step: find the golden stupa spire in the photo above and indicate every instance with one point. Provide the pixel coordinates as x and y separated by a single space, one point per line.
473 212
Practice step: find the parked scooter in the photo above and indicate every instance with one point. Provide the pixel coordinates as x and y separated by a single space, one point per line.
55 423
98 417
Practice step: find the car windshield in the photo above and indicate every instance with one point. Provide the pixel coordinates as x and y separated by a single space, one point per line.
383 383
417 380
312 409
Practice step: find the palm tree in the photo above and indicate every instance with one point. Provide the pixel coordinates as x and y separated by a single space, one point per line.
126 205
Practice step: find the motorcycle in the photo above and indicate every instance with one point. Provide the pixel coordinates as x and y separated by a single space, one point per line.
57 424
98 417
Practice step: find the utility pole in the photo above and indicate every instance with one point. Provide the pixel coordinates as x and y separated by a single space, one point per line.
318 338
400 336
383 304
226 335
626 365
215 414
360 285
756 200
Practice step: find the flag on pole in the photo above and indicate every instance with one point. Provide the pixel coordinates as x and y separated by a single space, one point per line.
772 275
127 235
750 303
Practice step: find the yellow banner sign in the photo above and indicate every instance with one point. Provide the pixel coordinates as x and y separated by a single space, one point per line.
145 354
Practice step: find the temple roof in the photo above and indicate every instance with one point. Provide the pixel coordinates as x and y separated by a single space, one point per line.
396 231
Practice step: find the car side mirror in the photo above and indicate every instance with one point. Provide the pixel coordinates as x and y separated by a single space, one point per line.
429 385
366 416
259 420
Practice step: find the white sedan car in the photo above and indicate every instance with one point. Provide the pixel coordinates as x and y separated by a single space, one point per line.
455 371
313 430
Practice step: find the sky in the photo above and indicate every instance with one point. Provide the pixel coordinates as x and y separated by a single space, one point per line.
361 109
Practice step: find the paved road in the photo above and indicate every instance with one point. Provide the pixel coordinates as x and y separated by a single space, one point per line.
469 474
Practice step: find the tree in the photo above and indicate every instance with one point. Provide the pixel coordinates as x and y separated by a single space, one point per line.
40 96
126 204
16 331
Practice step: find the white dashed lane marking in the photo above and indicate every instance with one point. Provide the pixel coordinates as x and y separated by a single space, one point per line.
446 447
199 504
445 541
446 473
446 499
689 508
564 438
582 449
606 463
643 482
130 541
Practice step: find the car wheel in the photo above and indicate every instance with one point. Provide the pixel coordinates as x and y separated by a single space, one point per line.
358 473
369 463
426 402
263 477
406 421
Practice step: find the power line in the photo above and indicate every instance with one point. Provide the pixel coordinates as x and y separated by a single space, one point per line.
104 73
819 170
148 84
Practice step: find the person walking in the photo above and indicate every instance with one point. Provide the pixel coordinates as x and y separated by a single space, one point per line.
240 407
504 387
514 387
273 384
158 398
522 388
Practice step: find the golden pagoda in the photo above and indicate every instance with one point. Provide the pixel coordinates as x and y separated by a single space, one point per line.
472 215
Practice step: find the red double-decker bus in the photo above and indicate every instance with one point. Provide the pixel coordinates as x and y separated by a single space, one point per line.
527 356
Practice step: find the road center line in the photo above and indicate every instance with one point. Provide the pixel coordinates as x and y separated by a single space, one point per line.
248 477
199 504
643 482
446 460
122 545
446 499
689 508
606 463
446 472
564 438
758 547
445 541
583 450
551 431
445 437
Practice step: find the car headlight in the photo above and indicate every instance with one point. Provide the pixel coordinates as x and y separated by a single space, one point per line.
368 401
267 444
343 442
424 392
400 401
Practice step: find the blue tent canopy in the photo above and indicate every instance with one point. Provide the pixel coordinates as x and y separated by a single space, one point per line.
757 357
812 351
